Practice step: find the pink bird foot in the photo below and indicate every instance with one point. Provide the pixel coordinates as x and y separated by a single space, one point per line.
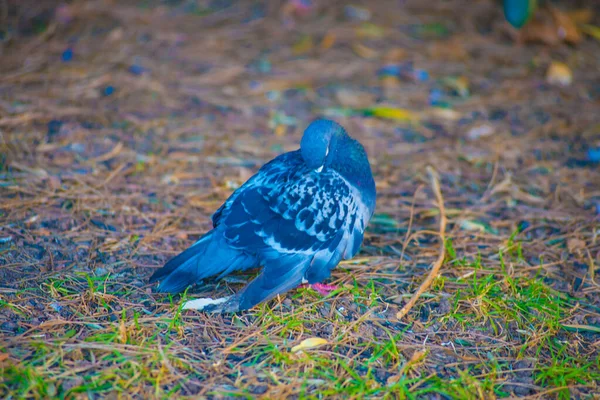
322 288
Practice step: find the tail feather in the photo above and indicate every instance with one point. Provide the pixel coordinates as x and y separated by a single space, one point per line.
190 253
207 257
278 276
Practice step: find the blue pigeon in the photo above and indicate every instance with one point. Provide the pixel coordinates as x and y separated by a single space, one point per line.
298 217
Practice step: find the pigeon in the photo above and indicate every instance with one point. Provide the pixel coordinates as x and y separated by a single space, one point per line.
297 217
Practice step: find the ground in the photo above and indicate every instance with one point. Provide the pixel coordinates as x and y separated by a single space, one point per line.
125 124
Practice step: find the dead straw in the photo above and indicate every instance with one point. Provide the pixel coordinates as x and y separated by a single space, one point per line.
435 185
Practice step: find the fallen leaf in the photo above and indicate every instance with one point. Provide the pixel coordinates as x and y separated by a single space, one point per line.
551 26
328 41
303 46
591 30
559 74
539 30
567 29
398 114
364 51
581 16
459 84
307 344
280 130
370 31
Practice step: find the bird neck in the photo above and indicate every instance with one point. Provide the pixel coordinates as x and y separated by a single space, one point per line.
350 160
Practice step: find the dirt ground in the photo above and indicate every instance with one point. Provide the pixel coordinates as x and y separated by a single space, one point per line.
125 124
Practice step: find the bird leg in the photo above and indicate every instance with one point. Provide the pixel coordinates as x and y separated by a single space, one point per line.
322 288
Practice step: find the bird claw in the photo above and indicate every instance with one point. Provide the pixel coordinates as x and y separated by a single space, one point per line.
322 288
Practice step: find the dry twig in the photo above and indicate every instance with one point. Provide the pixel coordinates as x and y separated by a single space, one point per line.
435 185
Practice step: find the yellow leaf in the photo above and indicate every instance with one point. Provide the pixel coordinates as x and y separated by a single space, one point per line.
399 114
309 344
559 74
371 31
591 30
364 51
458 84
280 130
328 41
303 46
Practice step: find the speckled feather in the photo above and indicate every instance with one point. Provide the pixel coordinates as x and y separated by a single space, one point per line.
290 208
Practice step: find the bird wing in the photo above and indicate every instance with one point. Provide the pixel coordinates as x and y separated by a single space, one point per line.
276 168
298 222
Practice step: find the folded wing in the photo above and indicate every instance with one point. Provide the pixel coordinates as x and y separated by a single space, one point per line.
297 222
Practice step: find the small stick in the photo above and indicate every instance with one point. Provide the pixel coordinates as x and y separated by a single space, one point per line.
435 185
410 221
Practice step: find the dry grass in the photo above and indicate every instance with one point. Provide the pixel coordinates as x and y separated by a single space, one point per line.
113 161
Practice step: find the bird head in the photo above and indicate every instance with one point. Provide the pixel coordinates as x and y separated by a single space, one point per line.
325 144
317 142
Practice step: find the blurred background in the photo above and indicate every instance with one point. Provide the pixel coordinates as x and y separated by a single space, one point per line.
187 93
264 67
